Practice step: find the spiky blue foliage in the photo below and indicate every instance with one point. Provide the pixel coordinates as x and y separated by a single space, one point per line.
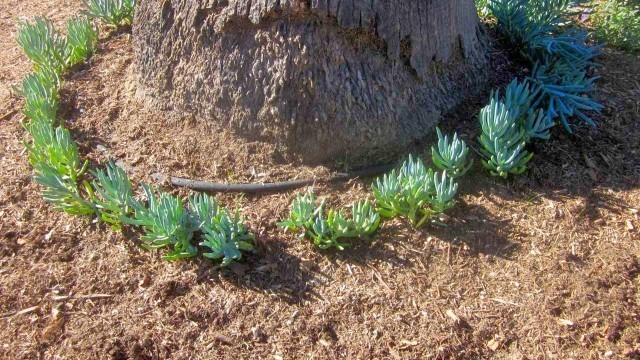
225 235
40 92
521 98
82 36
561 56
327 230
166 223
451 155
503 140
537 126
534 27
112 194
414 192
565 96
43 44
518 97
520 20
564 52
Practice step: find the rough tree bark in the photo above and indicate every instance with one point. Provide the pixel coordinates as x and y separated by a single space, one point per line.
326 78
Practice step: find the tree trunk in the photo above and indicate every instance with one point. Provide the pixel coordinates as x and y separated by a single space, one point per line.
326 78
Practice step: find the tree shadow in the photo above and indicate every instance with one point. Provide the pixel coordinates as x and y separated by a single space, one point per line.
473 227
378 248
270 269
273 269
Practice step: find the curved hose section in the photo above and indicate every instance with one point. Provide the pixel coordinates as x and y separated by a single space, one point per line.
212 187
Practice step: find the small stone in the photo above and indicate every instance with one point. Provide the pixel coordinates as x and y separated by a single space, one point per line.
630 226
158 177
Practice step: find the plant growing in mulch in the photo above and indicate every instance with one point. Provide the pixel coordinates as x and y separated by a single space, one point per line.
63 176
557 90
327 228
414 192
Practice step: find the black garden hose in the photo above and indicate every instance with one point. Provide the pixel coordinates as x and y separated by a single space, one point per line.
211 187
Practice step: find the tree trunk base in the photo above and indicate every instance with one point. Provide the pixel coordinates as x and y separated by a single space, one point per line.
322 81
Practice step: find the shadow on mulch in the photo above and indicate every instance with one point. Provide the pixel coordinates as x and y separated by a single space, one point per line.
475 227
270 269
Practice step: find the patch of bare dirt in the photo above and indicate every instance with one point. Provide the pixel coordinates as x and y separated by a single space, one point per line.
545 265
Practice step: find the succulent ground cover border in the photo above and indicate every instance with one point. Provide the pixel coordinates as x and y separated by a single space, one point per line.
560 57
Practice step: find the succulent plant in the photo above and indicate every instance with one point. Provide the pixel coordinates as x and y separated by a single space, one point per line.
414 192
451 155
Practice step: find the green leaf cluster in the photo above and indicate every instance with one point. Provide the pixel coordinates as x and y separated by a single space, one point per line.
43 44
617 23
414 192
483 8
112 194
49 50
327 228
451 155
224 235
503 140
40 92
58 168
82 36
166 223
112 12
60 192
508 124
52 153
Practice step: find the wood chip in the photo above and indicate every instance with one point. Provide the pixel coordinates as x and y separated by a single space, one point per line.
324 343
223 339
54 329
266 268
21 312
145 281
501 301
452 316
630 226
589 162
379 277
406 343
606 159
10 113
84 297
494 344
238 268
565 322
